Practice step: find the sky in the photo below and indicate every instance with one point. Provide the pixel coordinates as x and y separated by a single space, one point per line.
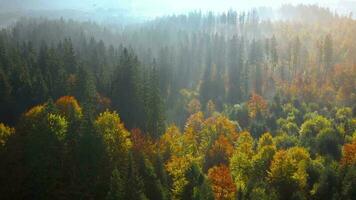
157 7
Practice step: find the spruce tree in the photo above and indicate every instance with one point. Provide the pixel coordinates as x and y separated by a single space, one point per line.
117 187
155 119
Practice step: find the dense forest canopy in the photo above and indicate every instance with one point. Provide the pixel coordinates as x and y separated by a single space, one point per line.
202 105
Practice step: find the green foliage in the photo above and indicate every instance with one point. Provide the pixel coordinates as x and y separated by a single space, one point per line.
117 186
328 142
288 126
152 185
285 141
326 187
348 190
311 128
134 184
153 106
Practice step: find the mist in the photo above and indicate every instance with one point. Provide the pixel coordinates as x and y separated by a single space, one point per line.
146 9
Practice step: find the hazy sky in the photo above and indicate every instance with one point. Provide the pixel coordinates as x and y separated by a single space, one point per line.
158 6
168 6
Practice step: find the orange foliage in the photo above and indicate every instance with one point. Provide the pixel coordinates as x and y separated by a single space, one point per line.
221 125
256 105
222 183
194 122
349 154
35 111
344 79
221 151
337 86
69 106
141 143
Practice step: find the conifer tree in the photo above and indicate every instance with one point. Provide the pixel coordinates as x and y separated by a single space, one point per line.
155 120
117 186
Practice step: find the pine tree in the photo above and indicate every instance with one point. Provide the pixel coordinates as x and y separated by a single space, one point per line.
155 120
274 54
117 186
235 70
85 89
69 58
195 181
328 54
134 184
126 89
296 56
90 166
255 62
152 185
5 96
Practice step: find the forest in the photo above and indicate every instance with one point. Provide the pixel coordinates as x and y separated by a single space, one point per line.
195 106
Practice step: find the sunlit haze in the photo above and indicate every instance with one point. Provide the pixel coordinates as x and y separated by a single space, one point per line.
163 7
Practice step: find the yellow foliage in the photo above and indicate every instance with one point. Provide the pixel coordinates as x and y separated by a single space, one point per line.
241 161
170 141
177 168
289 167
265 140
116 137
5 133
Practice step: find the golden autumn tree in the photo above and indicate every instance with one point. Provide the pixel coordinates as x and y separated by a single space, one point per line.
220 125
69 107
221 182
177 168
35 112
115 136
5 133
169 143
241 161
265 140
287 173
262 159
256 106
220 152
193 140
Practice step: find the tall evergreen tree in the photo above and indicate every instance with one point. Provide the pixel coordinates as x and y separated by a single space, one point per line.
274 53
235 70
117 186
296 56
134 184
155 120
255 58
328 54
126 90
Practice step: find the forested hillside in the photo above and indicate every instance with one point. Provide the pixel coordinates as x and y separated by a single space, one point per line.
195 106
